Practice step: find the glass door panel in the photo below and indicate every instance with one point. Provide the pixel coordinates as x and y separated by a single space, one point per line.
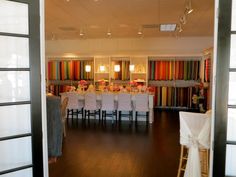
15 153
15 53
230 168
15 86
231 160
20 109
21 173
231 132
14 17
15 120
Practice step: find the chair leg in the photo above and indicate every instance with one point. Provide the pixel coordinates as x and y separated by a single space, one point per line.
180 160
105 115
147 117
136 116
119 116
130 116
82 112
116 114
99 114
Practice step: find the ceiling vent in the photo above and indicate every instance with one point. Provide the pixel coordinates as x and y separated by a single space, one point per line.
151 26
67 28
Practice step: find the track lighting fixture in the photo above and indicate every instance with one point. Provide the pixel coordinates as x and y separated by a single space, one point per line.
179 28
183 19
189 8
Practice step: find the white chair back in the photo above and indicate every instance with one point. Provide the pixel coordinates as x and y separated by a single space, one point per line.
124 102
108 102
194 133
90 101
74 102
141 102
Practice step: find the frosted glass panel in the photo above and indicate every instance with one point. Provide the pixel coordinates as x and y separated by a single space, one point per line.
233 52
22 173
231 160
14 52
231 128
233 19
15 153
15 86
232 88
14 120
13 17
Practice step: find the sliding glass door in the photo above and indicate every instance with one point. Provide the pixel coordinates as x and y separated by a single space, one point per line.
225 115
20 100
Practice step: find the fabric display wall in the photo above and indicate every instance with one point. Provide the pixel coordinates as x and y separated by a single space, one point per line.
124 73
174 96
207 70
69 70
173 70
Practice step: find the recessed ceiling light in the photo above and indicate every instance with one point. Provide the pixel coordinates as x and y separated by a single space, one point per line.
140 33
109 32
167 27
67 0
81 32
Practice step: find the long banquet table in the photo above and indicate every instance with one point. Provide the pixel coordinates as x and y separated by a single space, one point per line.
99 98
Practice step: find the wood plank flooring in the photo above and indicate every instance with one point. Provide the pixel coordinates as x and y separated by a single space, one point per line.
106 150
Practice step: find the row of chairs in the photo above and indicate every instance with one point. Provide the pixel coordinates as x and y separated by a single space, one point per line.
107 106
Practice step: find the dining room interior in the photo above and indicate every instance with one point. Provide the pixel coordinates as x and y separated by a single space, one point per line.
129 87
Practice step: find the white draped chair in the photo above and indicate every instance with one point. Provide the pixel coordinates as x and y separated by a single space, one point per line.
195 137
108 105
124 104
75 106
141 105
91 106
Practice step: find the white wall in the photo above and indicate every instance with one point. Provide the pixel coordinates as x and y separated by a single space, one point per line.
169 46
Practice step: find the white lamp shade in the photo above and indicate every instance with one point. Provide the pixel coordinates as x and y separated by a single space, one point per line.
87 68
102 68
117 68
131 68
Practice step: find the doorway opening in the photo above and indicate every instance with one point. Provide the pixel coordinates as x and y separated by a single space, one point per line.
98 43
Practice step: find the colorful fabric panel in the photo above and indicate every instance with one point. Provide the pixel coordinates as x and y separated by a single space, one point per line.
69 70
124 73
207 70
174 96
173 70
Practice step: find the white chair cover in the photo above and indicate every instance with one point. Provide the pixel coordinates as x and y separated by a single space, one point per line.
124 102
90 101
141 102
108 102
195 134
74 102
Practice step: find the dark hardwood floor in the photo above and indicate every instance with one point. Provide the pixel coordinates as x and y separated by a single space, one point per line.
96 150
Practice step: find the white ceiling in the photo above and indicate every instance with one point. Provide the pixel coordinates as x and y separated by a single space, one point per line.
65 19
